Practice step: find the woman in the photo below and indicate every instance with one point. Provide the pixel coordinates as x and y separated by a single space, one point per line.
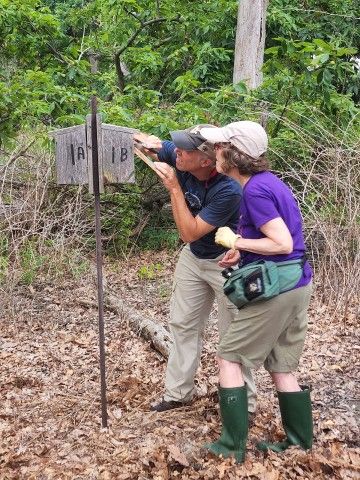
270 332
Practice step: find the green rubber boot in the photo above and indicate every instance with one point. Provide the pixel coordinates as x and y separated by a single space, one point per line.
234 416
296 416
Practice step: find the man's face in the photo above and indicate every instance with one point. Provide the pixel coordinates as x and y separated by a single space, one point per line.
189 160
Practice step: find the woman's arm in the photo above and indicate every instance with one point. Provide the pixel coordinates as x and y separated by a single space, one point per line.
277 239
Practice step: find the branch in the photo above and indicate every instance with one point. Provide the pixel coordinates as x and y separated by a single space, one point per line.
82 50
162 42
150 330
119 72
140 226
136 33
16 155
59 55
352 17
142 26
277 126
13 183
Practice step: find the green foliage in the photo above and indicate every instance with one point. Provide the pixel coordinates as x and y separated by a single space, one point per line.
41 75
158 238
4 264
4 244
308 19
173 53
176 63
75 263
45 74
119 217
317 69
4 256
149 272
30 261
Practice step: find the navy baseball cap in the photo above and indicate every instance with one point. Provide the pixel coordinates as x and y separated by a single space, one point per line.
190 139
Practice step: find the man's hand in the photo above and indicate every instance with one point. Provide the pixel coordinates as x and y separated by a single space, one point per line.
231 258
168 176
226 237
145 141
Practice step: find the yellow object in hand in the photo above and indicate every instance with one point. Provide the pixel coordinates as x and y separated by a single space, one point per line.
226 237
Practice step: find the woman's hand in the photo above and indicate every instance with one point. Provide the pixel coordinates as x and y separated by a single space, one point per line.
226 237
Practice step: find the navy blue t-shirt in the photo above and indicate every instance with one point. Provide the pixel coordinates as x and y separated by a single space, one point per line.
216 201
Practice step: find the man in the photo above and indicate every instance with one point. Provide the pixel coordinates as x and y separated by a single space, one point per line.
202 200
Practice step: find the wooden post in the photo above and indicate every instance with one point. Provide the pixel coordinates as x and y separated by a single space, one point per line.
96 181
96 189
89 130
95 154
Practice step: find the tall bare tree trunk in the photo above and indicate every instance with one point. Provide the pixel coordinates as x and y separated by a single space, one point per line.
250 42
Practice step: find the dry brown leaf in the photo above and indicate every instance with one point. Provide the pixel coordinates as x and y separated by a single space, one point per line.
354 457
257 469
177 455
347 474
222 468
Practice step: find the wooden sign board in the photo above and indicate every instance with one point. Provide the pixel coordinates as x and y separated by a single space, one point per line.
74 154
71 156
117 154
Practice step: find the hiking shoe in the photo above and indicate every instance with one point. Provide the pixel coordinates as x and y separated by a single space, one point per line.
164 405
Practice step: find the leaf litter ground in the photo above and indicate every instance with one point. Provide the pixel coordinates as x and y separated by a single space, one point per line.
49 381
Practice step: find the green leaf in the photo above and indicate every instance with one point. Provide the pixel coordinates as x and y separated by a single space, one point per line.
322 44
324 57
241 88
327 76
272 51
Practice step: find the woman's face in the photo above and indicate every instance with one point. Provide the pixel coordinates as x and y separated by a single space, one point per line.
219 147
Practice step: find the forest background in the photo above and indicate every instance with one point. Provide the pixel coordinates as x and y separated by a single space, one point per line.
162 65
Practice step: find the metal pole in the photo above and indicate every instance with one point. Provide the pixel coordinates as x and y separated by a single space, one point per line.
95 163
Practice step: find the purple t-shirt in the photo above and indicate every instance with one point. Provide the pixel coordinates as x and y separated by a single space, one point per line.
266 197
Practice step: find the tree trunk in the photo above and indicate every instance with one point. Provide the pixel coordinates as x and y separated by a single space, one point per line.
250 42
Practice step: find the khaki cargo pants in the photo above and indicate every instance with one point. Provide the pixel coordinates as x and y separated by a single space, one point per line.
197 282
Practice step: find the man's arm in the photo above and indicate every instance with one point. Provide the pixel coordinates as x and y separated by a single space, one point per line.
190 228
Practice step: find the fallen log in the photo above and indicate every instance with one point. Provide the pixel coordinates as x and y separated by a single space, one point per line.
145 327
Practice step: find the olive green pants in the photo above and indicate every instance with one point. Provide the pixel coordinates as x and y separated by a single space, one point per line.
197 283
